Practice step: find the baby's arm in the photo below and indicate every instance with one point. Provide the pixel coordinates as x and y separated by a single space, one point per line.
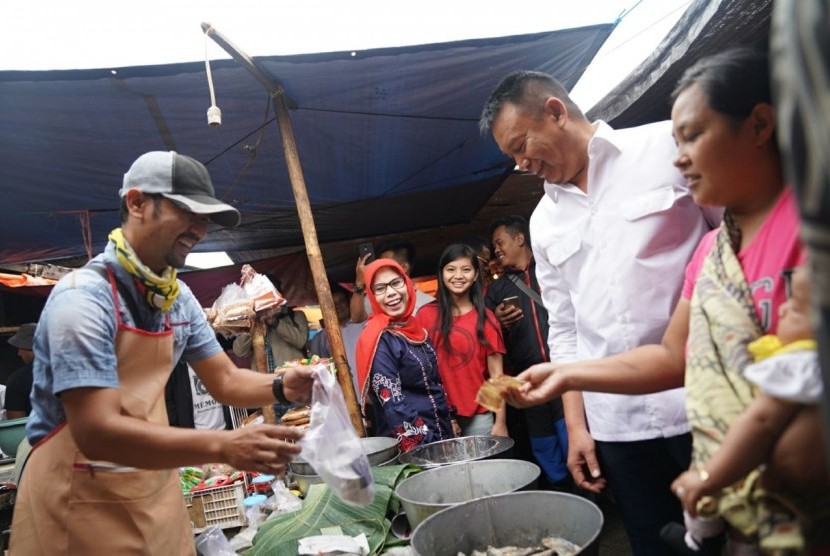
748 444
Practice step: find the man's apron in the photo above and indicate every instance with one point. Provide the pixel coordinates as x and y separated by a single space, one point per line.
68 504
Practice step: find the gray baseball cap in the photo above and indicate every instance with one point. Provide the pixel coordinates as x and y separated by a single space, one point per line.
24 337
183 180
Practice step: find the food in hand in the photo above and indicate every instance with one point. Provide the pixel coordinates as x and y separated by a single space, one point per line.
490 393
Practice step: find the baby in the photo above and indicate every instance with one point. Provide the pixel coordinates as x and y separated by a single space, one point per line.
780 428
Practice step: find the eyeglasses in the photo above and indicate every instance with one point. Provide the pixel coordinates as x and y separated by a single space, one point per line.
396 284
787 275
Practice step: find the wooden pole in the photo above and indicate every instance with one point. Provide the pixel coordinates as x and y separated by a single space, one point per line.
315 257
258 332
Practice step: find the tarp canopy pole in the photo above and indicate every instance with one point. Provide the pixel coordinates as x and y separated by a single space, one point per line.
298 186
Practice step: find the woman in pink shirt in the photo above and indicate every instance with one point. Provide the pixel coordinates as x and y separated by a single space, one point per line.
724 125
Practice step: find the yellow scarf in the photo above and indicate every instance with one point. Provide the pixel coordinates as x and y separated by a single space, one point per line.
160 291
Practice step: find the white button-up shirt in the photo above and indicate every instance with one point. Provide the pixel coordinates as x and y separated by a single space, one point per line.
610 264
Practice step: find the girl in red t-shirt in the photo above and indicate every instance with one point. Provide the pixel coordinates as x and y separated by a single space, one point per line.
467 339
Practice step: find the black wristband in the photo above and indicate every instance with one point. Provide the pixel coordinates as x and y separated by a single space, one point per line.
359 289
276 388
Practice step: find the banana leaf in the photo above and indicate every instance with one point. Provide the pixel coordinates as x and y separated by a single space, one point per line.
323 513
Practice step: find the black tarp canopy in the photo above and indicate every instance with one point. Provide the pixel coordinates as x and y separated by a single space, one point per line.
388 140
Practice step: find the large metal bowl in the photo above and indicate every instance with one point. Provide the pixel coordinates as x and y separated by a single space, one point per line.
304 482
456 450
424 494
378 449
515 519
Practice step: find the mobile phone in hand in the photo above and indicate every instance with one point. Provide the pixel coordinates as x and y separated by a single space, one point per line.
512 301
366 249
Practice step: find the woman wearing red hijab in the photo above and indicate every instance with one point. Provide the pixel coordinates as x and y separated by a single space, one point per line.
397 369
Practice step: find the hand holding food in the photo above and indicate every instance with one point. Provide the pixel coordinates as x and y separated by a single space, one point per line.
491 394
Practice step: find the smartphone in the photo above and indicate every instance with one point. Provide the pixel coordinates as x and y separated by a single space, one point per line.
512 301
366 249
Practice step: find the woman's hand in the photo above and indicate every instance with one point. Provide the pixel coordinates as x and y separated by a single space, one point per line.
541 383
689 488
456 428
499 429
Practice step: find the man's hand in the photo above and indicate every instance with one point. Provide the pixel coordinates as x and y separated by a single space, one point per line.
359 270
508 315
297 382
541 383
262 448
582 461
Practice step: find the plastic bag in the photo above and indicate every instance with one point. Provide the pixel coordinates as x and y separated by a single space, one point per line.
212 542
332 446
232 312
267 299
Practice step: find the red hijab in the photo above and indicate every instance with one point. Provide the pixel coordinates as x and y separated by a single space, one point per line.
379 321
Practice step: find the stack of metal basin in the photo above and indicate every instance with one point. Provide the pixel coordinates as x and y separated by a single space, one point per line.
520 519
380 450
436 489
457 450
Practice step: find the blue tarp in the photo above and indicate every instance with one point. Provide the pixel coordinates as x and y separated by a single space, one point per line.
388 140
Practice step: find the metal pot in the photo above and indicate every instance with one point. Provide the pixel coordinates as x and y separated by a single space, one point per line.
456 450
424 494
378 449
304 482
514 519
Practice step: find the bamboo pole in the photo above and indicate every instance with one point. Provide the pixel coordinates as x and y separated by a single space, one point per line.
298 186
258 339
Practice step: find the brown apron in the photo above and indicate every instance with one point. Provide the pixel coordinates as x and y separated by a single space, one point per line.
68 504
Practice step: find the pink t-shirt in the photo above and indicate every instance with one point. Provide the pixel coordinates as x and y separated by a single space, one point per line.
465 369
777 247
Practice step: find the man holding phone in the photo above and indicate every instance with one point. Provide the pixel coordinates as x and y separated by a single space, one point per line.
538 432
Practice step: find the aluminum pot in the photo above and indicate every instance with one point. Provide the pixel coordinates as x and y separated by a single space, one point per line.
514 519
424 494
304 482
378 449
456 450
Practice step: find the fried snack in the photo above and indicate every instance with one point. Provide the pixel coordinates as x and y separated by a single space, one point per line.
296 417
490 393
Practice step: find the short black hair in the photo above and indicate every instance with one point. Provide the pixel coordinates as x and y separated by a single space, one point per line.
156 197
514 224
527 90
477 242
400 247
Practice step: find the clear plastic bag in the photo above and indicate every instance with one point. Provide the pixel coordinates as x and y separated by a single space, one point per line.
332 446
212 542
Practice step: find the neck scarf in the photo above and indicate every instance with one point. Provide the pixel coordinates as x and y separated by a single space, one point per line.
159 291
403 325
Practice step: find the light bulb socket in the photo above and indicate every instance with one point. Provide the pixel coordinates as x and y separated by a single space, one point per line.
214 116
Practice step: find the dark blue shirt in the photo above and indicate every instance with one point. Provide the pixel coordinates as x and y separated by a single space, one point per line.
407 393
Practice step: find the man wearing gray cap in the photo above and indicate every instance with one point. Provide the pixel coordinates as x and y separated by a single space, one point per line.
19 384
101 478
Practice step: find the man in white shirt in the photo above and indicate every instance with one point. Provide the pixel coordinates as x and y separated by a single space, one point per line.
611 238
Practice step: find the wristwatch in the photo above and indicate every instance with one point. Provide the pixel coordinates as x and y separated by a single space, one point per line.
359 288
276 388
